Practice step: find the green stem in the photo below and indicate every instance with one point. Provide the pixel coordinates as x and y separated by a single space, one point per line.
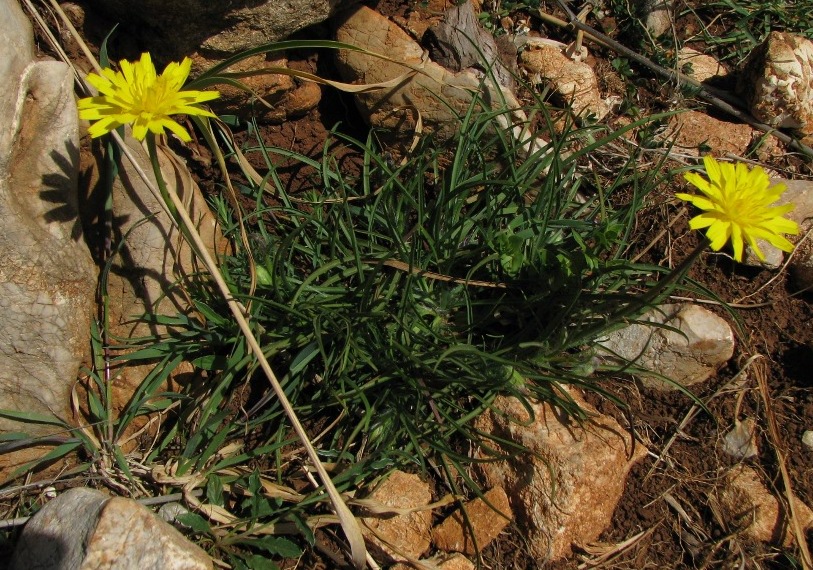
159 179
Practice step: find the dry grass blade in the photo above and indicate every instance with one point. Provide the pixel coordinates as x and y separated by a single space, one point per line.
605 554
776 443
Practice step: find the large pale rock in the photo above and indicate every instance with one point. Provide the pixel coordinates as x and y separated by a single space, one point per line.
484 520
574 81
437 94
84 529
47 276
777 81
747 503
565 489
800 194
152 258
408 534
184 26
695 345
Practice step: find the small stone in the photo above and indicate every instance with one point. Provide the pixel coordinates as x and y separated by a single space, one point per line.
696 132
740 441
487 518
748 504
701 343
171 511
84 528
807 439
394 537
657 15
698 65
574 81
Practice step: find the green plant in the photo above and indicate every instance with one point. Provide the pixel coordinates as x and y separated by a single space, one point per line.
745 23
401 301
396 303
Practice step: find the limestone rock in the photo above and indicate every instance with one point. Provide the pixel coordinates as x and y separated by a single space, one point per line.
800 194
695 131
437 94
84 529
181 27
747 503
47 276
407 534
701 343
566 488
777 81
151 256
698 65
487 518
807 439
574 81
657 15
459 42
740 441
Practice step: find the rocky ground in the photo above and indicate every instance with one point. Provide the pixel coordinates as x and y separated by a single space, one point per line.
710 488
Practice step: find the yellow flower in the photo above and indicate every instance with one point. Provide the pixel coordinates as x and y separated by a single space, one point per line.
737 206
138 95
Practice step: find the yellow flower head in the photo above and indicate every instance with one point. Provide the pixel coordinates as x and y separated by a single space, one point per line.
138 95
737 205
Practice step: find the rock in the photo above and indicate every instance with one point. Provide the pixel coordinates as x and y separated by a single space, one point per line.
565 489
47 275
574 81
178 28
800 194
696 133
169 512
701 343
283 97
85 529
777 82
807 439
747 503
487 518
740 441
438 95
656 15
152 257
406 535
271 87
699 66
459 42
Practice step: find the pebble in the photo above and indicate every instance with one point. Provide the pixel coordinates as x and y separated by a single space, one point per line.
807 439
